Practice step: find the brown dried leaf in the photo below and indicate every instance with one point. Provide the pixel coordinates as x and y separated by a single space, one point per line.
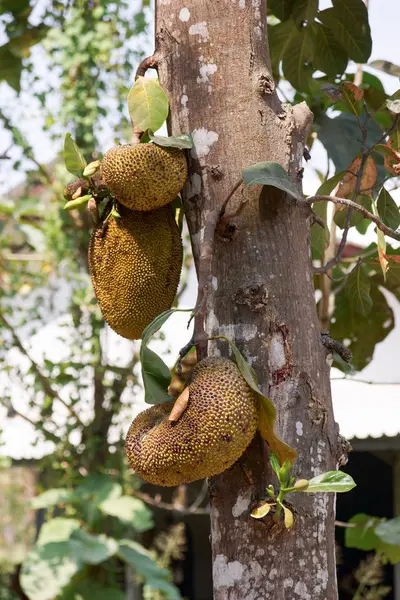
180 405
354 89
393 258
392 161
368 179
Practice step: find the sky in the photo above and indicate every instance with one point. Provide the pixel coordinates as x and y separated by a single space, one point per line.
348 396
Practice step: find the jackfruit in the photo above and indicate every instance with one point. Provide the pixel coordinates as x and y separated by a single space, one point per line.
135 263
213 432
144 176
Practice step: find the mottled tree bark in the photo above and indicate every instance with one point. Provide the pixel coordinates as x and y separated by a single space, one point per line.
214 65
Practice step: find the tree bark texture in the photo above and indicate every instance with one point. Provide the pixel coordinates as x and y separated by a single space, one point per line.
214 64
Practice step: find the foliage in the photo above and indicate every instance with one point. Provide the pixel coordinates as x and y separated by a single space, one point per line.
373 533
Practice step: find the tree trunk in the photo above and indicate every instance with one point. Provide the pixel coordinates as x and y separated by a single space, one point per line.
214 65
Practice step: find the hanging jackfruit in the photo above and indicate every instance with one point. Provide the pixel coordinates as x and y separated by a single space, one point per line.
135 263
144 176
212 433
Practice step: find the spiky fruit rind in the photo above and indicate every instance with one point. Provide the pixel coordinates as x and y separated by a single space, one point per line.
213 432
144 176
135 263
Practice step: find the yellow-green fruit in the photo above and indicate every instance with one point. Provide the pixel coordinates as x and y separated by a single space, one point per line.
212 433
144 176
135 263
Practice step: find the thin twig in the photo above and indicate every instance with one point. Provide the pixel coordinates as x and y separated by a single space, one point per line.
231 193
35 424
147 499
346 525
353 205
150 62
365 381
45 383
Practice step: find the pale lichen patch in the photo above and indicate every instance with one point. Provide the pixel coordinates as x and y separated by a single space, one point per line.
203 140
199 29
184 14
225 573
241 505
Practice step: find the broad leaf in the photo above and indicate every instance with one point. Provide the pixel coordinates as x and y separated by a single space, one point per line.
348 21
130 510
388 210
329 185
57 530
297 59
92 549
270 173
74 160
332 481
329 57
97 488
88 589
363 536
267 410
147 104
355 217
47 569
184 142
53 497
352 97
156 375
141 560
279 37
358 291
389 531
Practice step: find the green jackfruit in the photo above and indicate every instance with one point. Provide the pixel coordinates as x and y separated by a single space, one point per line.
212 433
144 176
135 263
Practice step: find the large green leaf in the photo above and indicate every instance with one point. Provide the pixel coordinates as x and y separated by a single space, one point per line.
279 37
92 549
331 481
14 6
389 531
97 488
147 104
47 569
267 410
297 59
129 510
358 288
141 560
53 497
363 536
74 160
270 173
183 141
329 57
304 11
329 185
57 530
348 21
89 589
388 209
10 68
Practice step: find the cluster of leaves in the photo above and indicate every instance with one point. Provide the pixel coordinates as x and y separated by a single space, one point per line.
308 39
370 533
74 557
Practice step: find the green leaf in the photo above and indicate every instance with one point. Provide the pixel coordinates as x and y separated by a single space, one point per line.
319 235
74 160
297 59
53 497
329 185
288 517
71 204
47 569
352 96
358 288
57 530
147 104
89 589
331 481
270 173
281 8
141 560
363 536
348 21
14 6
156 375
10 68
386 67
304 11
129 510
274 462
279 37
169 591
355 217
388 209
267 410
329 57
374 92
183 141
92 549
97 488
389 531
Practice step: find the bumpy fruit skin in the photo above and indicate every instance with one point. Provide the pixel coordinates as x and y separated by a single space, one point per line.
135 264
144 176
213 432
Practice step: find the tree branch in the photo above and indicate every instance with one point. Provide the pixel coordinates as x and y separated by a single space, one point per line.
183 510
45 383
353 205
